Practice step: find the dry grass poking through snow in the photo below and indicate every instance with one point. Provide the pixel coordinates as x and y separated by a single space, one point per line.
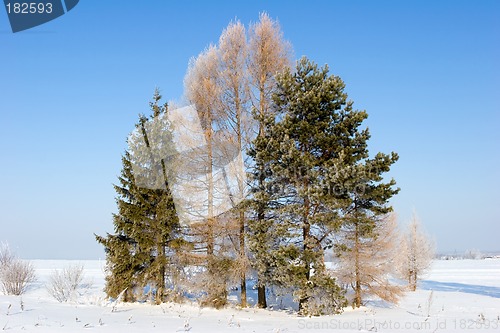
456 296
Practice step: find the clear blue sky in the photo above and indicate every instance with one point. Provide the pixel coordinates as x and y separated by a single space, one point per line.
427 72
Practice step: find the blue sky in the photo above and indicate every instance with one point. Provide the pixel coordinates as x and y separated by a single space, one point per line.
427 72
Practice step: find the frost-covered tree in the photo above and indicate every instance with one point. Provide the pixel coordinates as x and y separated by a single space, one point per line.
225 83
233 50
203 90
366 263
318 178
146 225
474 254
269 54
362 197
417 252
295 151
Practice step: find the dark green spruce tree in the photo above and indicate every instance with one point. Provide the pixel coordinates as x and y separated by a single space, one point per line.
312 145
146 226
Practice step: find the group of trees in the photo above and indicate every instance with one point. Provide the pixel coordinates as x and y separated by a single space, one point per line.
311 188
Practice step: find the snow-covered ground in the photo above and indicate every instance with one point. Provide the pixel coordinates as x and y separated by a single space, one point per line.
456 296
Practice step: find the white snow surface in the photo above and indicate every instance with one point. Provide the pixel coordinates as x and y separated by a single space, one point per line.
455 296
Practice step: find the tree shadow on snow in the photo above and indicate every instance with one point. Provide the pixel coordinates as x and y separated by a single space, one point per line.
378 303
461 287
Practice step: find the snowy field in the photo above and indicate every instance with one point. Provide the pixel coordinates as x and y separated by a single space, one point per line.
456 296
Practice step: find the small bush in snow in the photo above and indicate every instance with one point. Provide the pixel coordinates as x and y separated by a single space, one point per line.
6 256
63 284
15 274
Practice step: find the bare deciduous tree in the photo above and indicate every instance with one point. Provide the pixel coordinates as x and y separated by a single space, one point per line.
225 82
234 100
204 91
416 253
370 263
269 54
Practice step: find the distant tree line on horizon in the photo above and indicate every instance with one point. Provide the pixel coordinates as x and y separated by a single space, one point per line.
470 254
312 189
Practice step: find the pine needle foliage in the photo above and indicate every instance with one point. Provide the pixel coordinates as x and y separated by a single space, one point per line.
146 229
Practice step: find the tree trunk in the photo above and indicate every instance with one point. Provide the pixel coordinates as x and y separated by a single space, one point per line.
357 285
306 229
261 288
212 292
412 280
243 282
160 279
261 297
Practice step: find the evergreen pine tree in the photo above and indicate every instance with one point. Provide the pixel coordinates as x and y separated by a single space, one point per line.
297 146
315 162
146 225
